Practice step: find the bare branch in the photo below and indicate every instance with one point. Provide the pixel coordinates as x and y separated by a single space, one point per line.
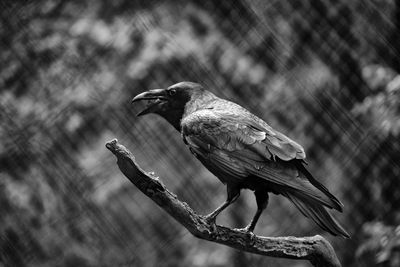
316 249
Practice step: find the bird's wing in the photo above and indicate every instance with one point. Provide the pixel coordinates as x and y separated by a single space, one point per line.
239 148
278 144
233 131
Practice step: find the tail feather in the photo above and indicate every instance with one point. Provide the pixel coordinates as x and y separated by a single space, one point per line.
317 213
337 204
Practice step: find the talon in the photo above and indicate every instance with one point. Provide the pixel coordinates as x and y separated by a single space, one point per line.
211 221
247 231
243 230
252 235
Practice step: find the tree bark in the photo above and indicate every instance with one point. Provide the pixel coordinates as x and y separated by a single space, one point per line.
315 249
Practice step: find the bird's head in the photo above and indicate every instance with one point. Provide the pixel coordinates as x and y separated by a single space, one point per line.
171 102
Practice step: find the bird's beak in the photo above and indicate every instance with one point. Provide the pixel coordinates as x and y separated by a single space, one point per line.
155 98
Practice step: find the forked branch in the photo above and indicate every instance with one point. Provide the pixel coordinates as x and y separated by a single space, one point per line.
315 249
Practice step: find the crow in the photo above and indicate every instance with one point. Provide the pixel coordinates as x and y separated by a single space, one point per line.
243 152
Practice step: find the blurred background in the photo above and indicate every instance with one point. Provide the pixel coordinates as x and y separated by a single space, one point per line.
324 72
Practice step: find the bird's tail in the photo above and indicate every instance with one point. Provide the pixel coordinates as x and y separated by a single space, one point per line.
315 211
334 202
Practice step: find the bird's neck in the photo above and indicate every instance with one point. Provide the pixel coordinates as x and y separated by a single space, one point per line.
197 103
174 118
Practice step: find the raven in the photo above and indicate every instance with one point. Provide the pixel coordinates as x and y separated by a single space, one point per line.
243 152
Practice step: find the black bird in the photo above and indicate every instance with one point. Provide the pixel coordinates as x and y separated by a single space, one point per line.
243 151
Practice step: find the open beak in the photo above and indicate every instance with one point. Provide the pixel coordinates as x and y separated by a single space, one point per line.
155 98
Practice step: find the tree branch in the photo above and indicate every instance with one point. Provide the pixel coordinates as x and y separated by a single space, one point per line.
316 249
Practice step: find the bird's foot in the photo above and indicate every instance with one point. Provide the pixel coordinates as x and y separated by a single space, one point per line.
210 220
248 231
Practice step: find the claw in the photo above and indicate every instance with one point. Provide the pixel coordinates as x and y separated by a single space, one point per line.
210 220
247 231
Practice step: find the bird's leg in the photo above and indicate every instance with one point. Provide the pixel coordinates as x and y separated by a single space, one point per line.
233 194
262 202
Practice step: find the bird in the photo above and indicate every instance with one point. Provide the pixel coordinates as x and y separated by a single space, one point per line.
243 152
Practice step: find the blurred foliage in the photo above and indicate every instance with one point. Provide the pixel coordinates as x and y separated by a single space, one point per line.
382 245
324 72
382 109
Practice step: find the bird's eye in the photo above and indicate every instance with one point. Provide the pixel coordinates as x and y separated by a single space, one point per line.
171 92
